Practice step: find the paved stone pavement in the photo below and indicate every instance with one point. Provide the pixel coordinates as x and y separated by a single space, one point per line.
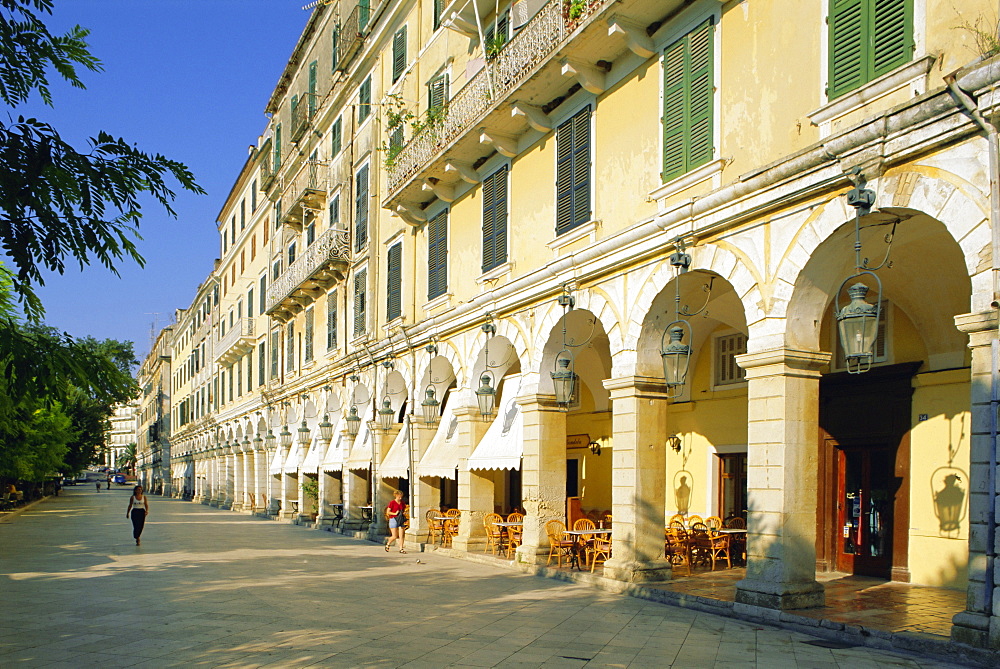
211 588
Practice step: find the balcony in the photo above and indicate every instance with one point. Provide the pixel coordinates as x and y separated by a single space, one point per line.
300 118
351 35
235 343
305 190
553 52
266 159
309 277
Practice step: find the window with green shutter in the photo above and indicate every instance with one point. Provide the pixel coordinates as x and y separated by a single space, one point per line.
437 95
438 9
312 88
335 210
868 38
277 148
331 321
263 293
394 282
307 345
290 347
687 102
573 171
495 219
365 99
437 255
398 54
361 205
250 303
274 353
261 363
336 137
360 302
498 33
334 39
364 13
395 141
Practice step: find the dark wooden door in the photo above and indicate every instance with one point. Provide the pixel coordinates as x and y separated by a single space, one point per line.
865 503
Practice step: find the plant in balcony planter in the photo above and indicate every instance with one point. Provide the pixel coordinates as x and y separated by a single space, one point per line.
575 8
494 45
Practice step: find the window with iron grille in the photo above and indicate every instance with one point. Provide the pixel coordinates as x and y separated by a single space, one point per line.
290 347
361 205
573 172
360 293
868 38
331 321
437 255
495 219
307 345
727 347
394 282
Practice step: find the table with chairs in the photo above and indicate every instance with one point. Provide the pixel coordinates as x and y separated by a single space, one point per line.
692 541
503 535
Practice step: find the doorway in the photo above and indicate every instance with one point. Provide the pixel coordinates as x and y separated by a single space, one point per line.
865 510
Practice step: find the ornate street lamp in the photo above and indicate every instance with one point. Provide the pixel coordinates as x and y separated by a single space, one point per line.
326 429
246 443
269 440
385 415
563 376
675 354
486 394
430 406
303 433
353 421
257 441
285 437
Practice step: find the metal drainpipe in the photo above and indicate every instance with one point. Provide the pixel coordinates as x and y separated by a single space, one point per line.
968 105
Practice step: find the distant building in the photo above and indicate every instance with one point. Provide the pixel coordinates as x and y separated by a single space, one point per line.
153 424
121 433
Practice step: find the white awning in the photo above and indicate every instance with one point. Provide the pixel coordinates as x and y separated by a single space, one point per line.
296 454
503 443
361 452
277 461
311 462
397 461
441 457
333 459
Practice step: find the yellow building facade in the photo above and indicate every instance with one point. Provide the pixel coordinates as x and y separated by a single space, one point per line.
476 240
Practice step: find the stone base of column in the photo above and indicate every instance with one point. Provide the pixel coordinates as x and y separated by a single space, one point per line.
237 507
972 629
638 572
779 596
417 536
469 544
536 555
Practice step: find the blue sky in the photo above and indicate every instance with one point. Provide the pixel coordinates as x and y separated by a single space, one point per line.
185 78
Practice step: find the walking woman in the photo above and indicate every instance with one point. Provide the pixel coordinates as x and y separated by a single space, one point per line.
138 509
397 521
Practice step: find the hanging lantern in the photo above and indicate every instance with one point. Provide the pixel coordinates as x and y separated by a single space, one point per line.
257 442
430 407
303 433
857 325
269 440
676 357
246 443
386 415
563 379
285 437
486 396
326 429
353 421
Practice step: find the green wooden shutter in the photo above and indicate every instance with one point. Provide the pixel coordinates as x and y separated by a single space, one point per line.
360 279
363 14
361 209
290 347
495 219
364 99
394 281
564 177
331 321
308 343
250 304
438 8
277 147
438 92
581 167
261 363
848 31
437 255
395 140
892 37
263 293
334 46
312 88
398 53
489 211
336 137
687 102
274 354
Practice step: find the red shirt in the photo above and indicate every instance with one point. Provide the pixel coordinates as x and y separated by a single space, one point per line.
396 508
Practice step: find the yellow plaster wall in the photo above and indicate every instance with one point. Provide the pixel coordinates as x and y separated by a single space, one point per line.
595 470
939 446
532 207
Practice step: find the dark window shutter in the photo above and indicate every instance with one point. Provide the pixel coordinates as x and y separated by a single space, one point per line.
263 293
848 30
438 92
892 34
394 280
308 343
687 102
398 53
335 138
438 8
335 210
261 363
364 99
495 219
331 321
437 255
274 354
364 13
396 140
503 24
250 303
312 88
573 172
277 148
361 209
360 279
290 347
334 38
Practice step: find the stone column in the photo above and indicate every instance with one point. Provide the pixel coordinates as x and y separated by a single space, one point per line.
543 473
247 476
979 624
638 493
322 511
475 489
423 495
782 472
229 469
238 480
273 483
383 442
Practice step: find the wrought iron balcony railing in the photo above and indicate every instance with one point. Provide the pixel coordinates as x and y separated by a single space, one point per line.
300 118
323 262
305 190
539 39
351 33
236 342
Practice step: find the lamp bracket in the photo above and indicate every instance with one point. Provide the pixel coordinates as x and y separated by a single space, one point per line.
680 260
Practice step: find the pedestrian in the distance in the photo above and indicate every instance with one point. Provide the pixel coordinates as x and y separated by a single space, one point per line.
138 509
109 481
98 486
397 521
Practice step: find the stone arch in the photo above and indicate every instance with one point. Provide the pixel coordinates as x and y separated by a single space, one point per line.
592 300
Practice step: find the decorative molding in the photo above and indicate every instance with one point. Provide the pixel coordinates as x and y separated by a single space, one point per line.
574 235
685 181
592 79
634 34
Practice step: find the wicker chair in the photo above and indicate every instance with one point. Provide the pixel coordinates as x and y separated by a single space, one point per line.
710 547
449 530
694 520
514 534
515 517
735 523
434 526
600 548
559 545
494 537
676 518
714 523
586 541
677 549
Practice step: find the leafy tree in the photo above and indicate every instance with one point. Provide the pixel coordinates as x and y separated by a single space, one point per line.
128 457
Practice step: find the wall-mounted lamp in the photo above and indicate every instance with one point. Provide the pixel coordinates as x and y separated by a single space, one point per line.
595 447
674 442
